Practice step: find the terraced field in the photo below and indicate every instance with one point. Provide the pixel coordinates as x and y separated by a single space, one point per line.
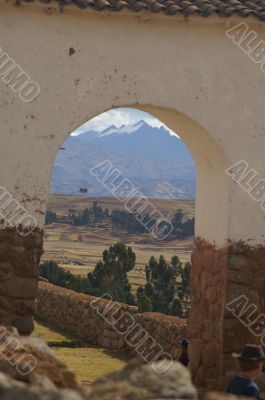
78 248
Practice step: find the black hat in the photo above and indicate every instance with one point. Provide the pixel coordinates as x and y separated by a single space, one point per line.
251 352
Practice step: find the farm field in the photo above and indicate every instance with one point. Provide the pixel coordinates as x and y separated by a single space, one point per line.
88 362
78 248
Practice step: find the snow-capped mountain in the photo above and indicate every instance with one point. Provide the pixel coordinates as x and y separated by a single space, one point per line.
124 129
156 162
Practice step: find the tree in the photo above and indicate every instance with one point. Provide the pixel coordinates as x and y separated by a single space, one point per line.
128 221
56 275
110 274
161 280
178 219
97 212
143 301
188 227
176 307
50 217
184 288
182 228
167 286
85 216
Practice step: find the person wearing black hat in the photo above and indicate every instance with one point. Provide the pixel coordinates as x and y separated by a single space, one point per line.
250 363
184 358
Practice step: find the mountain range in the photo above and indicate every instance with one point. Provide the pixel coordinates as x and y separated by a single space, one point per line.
158 163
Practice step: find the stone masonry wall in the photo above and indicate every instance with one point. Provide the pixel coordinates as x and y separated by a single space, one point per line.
20 256
91 319
228 309
205 325
245 299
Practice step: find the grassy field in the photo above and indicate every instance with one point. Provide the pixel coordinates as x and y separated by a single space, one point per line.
88 362
78 248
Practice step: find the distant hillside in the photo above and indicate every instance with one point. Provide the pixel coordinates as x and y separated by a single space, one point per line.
158 164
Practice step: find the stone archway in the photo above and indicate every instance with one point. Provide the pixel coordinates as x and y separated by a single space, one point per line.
190 74
211 168
219 269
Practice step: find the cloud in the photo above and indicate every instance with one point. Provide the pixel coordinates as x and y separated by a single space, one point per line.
119 117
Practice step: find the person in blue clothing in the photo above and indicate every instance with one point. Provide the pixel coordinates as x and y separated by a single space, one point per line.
250 363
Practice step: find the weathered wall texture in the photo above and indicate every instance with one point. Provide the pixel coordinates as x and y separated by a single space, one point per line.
115 326
185 72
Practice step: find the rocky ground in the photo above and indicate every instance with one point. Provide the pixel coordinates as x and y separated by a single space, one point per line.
29 371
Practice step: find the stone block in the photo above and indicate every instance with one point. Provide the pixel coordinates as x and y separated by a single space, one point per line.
27 269
210 354
237 261
241 277
209 258
21 287
6 270
2 290
25 326
208 333
5 252
5 307
23 307
30 242
204 281
199 376
195 353
234 290
211 294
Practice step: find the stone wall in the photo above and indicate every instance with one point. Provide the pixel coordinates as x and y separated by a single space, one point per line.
109 324
20 256
245 299
208 282
228 308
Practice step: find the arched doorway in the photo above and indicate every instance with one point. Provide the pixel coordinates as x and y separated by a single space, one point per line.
210 261
208 275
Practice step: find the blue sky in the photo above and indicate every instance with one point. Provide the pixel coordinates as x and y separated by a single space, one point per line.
118 117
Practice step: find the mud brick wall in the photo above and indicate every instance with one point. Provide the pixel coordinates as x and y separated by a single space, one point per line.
82 316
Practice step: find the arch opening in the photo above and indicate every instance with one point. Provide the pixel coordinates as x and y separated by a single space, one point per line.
212 183
211 211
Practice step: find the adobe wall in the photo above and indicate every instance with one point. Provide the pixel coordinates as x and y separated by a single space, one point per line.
91 319
184 71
